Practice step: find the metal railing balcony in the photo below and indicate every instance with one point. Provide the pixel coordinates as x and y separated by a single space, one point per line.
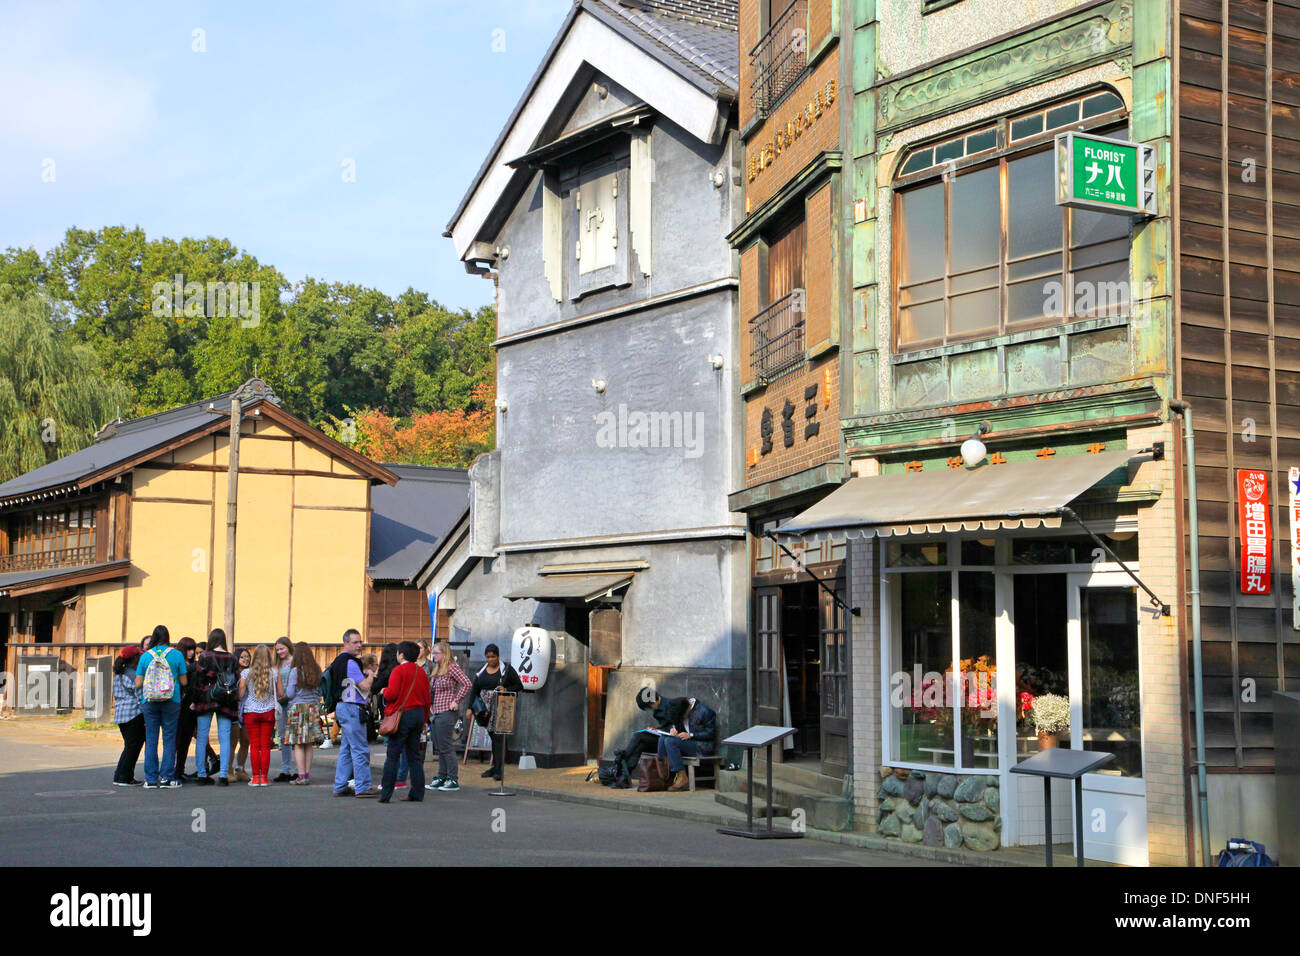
780 57
40 560
777 336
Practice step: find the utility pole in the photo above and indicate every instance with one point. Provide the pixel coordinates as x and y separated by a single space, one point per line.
232 513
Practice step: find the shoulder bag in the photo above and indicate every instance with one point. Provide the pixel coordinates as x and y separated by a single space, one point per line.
388 726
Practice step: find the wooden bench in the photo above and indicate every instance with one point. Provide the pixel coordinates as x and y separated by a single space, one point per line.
710 763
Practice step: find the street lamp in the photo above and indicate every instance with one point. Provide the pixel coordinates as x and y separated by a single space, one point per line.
972 449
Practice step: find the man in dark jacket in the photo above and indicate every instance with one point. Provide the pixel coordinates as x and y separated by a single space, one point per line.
696 739
669 715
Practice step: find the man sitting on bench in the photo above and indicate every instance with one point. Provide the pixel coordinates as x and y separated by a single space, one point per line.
695 739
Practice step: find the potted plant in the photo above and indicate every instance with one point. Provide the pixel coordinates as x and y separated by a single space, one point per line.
1051 716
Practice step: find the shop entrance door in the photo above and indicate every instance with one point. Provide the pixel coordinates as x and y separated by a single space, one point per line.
1076 637
801 640
1105 713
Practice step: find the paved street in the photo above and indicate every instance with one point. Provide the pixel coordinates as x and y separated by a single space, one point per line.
57 807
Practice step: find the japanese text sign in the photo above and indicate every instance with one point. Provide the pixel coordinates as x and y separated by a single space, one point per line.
1255 530
1108 175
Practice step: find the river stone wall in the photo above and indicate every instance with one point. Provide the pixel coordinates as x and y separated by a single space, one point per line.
940 809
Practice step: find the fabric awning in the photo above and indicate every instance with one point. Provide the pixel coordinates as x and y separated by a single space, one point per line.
1022 494
573 587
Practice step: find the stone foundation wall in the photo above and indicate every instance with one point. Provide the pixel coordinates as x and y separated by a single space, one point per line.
940 809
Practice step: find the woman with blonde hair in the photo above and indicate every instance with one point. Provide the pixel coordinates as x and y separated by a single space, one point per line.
302 712
259 687
448 686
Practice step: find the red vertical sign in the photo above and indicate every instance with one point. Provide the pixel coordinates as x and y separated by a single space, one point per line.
1255 526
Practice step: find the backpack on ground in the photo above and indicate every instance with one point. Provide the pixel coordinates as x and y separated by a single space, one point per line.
616 774
159 680
1243 852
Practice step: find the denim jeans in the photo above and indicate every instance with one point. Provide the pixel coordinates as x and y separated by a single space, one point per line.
201 742
674 747
354 752
160 715
404 746
442 727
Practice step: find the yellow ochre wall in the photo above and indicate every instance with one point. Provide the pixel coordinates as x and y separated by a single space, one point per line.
301 559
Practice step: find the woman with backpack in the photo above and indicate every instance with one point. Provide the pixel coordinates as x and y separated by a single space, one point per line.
259 688
160 676
128 715
216 693
302 712
283 651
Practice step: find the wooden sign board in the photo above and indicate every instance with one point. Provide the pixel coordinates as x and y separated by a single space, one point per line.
503 719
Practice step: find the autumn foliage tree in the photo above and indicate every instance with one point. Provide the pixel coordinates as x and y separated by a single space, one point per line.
450 438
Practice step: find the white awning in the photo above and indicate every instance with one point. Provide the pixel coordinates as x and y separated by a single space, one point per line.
1023 494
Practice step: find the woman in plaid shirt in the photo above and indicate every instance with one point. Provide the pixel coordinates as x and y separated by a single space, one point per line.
127 715
448 686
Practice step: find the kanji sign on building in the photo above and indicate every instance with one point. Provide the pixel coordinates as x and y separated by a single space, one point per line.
1255 530
1109 175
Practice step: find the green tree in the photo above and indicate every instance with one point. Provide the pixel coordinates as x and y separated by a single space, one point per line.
53 392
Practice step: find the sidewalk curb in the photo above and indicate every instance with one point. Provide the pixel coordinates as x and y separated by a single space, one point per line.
864 841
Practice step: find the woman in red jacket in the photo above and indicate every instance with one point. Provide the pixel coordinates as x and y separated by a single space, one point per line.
407 694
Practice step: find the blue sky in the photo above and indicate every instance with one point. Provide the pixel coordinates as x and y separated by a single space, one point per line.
247 140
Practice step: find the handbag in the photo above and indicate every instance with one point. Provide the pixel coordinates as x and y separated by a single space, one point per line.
652 774
388 726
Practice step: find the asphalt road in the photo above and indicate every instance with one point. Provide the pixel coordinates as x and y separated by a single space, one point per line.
74 817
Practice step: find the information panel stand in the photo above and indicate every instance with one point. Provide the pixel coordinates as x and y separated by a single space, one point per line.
1065 765
760 735
503 723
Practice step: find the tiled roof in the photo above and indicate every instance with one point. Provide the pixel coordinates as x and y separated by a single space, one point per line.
695 37
410 519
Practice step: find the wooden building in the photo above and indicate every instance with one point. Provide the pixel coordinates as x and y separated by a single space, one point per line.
98 547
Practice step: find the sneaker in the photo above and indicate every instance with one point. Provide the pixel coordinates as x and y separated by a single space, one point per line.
434 784
150 786
121 783
489 772
450 786
286 777
223 782
170 785
300 780
204 781
400 784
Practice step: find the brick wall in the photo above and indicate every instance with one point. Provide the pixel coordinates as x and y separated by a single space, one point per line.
1161 677
750 32
798 143
864 661
805 452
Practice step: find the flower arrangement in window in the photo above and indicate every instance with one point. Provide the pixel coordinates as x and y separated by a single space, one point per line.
1051 714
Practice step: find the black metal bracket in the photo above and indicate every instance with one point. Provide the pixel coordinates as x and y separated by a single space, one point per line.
1165 610
855 611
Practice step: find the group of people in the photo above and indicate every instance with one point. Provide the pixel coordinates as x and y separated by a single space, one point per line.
174 694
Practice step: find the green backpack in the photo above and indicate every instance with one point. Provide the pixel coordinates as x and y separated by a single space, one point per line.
329 693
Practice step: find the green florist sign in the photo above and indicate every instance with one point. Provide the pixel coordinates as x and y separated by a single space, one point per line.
1108 175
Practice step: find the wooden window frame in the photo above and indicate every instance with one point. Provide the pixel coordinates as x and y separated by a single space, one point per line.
1005 153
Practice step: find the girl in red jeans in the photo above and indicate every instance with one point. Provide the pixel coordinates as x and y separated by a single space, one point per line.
259 689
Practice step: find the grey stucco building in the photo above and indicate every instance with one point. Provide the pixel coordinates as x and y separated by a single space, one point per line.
601 214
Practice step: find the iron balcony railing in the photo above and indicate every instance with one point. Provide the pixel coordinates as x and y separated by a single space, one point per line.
780 57
777 336
40 560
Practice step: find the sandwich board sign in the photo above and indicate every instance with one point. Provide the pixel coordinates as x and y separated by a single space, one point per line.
1105 175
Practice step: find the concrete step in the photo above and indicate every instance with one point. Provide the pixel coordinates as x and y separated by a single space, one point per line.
821 810
736 801
802 775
